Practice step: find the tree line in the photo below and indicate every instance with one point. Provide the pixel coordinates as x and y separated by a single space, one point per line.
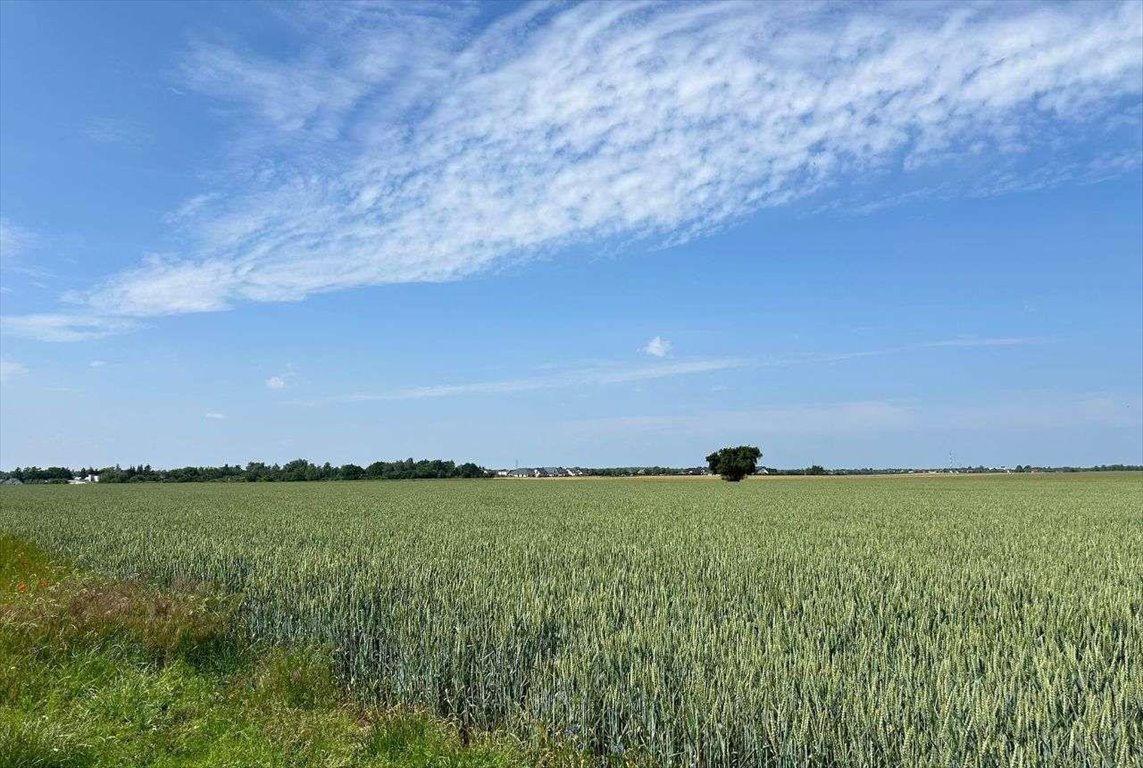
301 470
298 470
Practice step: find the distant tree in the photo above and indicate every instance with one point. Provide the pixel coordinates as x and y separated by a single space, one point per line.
294 471
733 464
46 475
816 469
255 471
350 472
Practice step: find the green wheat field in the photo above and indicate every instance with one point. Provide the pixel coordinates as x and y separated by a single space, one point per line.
916 620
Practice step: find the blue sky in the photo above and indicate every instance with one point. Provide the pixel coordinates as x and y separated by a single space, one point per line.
855 235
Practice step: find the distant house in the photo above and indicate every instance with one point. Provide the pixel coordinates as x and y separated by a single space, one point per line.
11 481
523 472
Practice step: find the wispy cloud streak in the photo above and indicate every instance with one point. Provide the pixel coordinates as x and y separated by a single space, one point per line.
1013 411
65 327
418 148
575 377
10 369
116 130
14 241
603 374
967 342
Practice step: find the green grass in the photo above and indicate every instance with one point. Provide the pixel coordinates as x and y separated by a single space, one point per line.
922 621
96 672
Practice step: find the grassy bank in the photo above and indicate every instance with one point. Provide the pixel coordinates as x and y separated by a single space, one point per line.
98 672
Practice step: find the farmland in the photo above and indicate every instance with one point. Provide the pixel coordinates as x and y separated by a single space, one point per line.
834 621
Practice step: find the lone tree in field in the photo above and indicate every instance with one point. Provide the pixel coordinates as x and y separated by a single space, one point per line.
734 463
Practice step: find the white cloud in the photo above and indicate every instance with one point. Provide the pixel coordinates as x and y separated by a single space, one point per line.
656 347
401 145
14 241
65 327
276 382
97 363
10 370
214 415
385 58
572 377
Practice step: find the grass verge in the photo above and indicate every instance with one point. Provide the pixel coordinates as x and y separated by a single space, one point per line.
98 673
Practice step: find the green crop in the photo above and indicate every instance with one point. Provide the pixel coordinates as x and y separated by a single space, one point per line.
921 621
